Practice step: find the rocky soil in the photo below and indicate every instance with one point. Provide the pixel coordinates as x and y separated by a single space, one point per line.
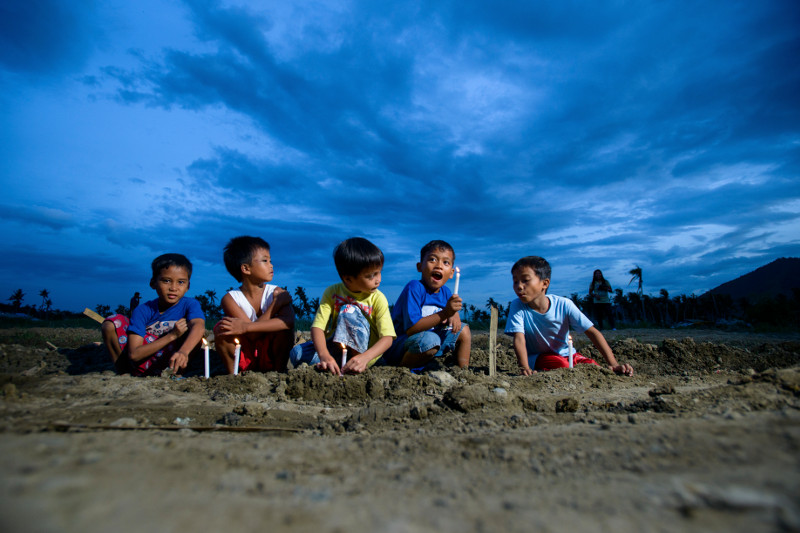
704 437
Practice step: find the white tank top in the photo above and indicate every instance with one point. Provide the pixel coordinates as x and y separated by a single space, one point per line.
266 299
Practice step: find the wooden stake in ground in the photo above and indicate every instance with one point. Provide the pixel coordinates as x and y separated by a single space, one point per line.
94 316
493 343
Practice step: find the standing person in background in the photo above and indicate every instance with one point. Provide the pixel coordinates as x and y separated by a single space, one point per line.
599 292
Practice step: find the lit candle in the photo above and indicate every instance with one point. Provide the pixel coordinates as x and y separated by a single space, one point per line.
205 348
458 278
236 353
344 358
569 347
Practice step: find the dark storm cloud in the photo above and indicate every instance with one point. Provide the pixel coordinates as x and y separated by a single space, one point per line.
45 37
39 216
623 133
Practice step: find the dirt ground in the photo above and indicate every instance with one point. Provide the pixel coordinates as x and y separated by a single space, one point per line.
704 437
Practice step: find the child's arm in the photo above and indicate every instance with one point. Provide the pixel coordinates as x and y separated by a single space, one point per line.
521 350
180 359
326 360
280 310
425 323
139 351
279 316
359 363
605 350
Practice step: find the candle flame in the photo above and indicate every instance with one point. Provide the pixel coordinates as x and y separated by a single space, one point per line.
205 342
236 341
458 270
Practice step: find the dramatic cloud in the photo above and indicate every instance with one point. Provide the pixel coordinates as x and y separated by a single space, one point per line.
598 136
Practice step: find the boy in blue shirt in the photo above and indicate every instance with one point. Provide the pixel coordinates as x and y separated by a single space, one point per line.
353 316
163 332
426 313
540 323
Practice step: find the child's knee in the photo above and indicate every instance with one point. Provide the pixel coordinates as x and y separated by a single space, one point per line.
423 342
108 330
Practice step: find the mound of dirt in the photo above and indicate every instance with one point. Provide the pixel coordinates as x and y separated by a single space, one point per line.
681 443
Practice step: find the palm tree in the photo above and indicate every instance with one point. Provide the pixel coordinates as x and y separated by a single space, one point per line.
304 307
45 295
16 298
212 297
637 275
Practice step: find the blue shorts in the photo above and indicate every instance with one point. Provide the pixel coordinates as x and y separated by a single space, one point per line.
444 339
352 330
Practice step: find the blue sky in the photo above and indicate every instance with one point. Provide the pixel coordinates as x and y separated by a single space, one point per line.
596 134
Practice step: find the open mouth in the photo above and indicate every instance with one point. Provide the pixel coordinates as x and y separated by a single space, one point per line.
437 276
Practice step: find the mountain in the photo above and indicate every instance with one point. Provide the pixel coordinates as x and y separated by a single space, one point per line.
778 277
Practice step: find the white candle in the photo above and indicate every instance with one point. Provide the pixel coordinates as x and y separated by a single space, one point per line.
344 357
205 348
236 353
458 278
569 347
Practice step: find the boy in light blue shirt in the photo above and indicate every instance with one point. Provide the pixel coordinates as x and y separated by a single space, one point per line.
540 323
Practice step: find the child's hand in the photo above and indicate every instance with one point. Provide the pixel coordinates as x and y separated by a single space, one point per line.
455 322
328 363
355 365
178 361
233 326
453 306
526 371
625 370
180 328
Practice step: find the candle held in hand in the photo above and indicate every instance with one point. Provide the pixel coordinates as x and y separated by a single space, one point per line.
458 279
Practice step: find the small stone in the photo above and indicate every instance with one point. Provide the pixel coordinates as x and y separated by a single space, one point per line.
419 412
124 423
442 378
10 391
567 405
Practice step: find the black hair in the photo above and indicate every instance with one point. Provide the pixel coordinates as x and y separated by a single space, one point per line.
436 245
239 251
353 255
167 260
539 265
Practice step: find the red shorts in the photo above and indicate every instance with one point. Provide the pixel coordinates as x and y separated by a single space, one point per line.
551 361
256 355
153 365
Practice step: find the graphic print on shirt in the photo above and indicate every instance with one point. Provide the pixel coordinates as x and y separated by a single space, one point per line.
339 301
428 310
157 329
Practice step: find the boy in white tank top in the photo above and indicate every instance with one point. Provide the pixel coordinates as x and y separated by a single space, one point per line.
257 314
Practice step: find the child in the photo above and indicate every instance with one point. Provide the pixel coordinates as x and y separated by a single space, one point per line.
258 314
599 290
352 315
426 314
540 323
163 332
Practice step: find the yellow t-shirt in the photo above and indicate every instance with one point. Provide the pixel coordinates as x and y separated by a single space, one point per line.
374 306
